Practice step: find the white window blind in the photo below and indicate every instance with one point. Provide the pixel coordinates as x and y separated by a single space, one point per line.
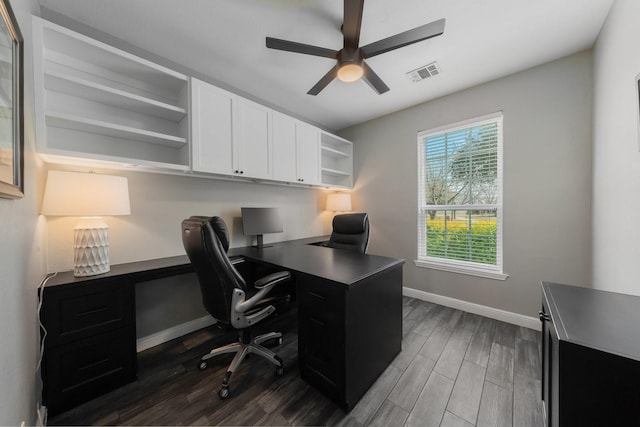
460 195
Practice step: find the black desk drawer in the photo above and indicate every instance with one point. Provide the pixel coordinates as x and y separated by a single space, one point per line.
87 368
319 293
324 350
78 312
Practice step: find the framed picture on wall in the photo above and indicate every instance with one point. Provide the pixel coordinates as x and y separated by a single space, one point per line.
11 109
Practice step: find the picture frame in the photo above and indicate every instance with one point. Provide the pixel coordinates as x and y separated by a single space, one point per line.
11 105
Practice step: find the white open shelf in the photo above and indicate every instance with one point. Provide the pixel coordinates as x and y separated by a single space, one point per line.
113 130
98 92
335 172
335 153
336 161
96 102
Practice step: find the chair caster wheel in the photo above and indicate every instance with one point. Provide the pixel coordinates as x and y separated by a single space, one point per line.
279 371
202 366
223 393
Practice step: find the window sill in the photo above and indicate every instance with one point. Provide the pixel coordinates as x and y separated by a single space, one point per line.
495 275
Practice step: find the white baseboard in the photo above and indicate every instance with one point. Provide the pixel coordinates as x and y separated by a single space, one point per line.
493 313
482 310
173 332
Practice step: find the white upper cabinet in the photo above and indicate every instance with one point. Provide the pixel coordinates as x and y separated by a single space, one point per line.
296 150
230 135
285 166
308 153
212 116
253 142
96 102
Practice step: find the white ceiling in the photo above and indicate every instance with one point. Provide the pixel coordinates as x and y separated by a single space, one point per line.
225 39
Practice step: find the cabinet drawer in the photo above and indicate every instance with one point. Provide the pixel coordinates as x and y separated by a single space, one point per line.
318 293
84 369
81 312
324 351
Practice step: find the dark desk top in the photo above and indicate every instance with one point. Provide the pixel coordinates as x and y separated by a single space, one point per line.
337 265
147 270
298 255
597 319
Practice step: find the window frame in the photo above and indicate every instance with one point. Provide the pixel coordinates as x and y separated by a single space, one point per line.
459 266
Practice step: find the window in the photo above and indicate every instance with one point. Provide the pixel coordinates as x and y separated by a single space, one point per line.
460 197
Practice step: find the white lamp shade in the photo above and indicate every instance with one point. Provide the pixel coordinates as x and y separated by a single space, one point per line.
85 194
339 202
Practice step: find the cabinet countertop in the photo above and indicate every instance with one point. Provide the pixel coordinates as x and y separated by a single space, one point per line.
602 320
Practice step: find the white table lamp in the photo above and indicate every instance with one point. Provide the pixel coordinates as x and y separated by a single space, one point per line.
338 202
89 196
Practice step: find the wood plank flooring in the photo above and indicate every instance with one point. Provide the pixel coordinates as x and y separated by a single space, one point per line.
455 369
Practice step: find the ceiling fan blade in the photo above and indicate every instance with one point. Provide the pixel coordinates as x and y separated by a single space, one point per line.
352 22
373 80
418 34
296 47
324 81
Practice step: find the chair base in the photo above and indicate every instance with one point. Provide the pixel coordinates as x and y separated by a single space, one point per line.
242 350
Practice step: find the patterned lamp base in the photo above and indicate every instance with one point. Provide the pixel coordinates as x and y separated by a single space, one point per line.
91 247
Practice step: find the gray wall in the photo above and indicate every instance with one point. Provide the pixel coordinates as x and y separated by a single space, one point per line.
547 182
616 158
158 205
21 267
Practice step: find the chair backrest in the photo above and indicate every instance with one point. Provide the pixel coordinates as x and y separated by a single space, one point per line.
350 231
206 241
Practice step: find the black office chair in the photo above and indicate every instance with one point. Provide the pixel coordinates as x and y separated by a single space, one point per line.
227 297
350 231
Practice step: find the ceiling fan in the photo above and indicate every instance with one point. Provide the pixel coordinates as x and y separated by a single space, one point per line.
351 65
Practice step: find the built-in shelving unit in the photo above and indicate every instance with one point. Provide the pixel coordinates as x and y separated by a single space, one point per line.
336 161
97 105
101 103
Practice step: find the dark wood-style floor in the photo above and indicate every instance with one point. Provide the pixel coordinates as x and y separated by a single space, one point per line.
455 369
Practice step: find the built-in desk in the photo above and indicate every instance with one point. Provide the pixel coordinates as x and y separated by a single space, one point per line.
349 315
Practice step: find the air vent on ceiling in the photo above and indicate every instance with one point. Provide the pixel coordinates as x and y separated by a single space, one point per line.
424 72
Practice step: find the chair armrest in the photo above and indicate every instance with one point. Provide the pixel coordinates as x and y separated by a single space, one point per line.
272 279
237 259
264 286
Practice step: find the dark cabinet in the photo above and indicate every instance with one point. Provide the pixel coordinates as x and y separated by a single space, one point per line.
89 346
348 334
590 357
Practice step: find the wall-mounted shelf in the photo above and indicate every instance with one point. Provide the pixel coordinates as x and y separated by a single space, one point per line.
95 101
335 153
336 162
98 105
98 92
334 172
113 130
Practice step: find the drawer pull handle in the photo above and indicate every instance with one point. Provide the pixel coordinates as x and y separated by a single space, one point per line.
313 294
317 322
93 364
92 311
544 316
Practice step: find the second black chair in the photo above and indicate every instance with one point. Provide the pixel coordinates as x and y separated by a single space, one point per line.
227 297
350 231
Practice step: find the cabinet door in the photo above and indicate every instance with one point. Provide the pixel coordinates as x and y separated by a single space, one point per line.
212 114
284 148
308 153
253 146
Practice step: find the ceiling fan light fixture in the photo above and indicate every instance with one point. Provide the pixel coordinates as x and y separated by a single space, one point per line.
350 72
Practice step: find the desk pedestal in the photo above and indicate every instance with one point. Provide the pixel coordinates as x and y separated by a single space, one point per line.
348 335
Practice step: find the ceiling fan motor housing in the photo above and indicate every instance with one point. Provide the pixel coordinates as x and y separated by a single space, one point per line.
350 56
